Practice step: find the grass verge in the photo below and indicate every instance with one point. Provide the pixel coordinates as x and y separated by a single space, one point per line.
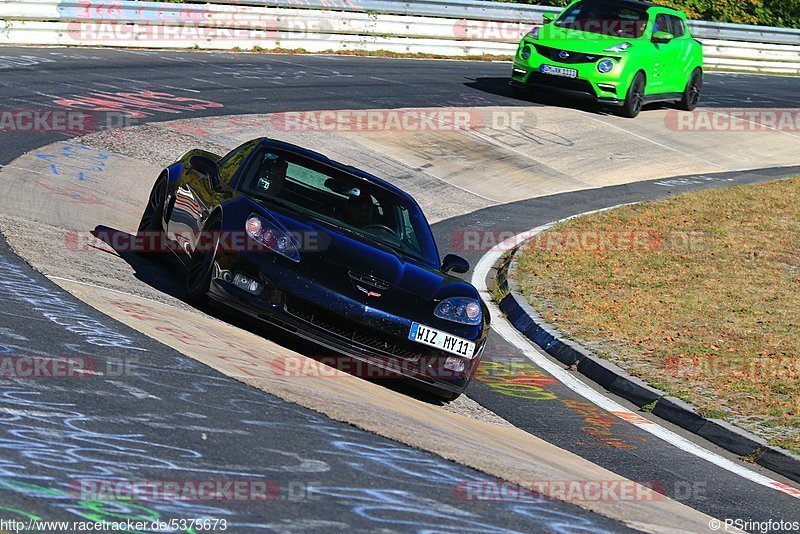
383 53
699 295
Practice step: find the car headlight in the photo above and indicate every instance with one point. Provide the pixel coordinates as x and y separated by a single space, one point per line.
526 52
272 237
533 34
605 66
621 47
459 310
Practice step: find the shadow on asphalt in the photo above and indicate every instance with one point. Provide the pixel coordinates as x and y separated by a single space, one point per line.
164 276
500 87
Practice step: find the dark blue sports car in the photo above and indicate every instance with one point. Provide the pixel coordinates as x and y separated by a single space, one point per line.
322 250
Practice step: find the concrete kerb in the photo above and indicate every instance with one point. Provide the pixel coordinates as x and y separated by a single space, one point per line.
618 381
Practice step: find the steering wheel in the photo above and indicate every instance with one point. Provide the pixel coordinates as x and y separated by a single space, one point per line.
375 226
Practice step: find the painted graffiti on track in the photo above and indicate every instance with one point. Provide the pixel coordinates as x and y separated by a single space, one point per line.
57 436
136 104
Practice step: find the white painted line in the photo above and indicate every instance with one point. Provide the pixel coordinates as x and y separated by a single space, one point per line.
759 124
222 85
134 391
378 78
507 331
116 87
662 145
181 88
104 288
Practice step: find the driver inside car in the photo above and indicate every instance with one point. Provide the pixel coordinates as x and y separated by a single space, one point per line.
271 174
360 211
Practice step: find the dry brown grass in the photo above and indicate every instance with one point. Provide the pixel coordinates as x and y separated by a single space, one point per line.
703 302
384 54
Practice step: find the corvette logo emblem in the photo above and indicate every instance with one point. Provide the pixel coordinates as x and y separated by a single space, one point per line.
368 292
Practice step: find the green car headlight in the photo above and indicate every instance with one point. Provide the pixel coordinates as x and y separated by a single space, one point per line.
605 66
526 52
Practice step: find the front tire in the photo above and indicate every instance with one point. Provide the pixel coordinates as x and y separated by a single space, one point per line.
150 233
693 91
447 396
200 269
634 100
520 93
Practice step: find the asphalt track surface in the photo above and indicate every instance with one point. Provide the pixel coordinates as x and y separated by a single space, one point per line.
141 423
169 418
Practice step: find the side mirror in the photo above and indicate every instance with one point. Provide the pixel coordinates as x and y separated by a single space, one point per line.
456 264
206 166
662 37
548 17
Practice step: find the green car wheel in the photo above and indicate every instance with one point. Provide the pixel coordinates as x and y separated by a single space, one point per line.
634 101
693 92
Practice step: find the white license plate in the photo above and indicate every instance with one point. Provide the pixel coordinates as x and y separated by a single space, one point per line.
559 71
441 340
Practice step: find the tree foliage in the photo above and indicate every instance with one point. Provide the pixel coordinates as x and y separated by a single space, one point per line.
785 13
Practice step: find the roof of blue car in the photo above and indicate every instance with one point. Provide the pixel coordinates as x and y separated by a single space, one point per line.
266 141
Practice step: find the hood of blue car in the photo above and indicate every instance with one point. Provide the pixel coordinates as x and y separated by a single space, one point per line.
353 264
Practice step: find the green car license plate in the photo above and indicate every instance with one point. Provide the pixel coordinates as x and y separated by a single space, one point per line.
559 71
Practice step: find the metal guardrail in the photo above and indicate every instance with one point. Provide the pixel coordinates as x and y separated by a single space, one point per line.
509 12
741 32
460 9
342 26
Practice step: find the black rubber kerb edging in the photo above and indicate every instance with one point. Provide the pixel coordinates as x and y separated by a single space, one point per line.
618 381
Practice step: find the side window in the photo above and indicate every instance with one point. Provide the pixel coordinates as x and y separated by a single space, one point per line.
662 24
407 233
678 28
230 163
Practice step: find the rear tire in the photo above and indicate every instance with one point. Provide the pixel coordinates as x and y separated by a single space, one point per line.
151 233
200 269
693 91
634 100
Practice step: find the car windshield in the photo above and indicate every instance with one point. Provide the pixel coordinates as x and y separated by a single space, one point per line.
332 196
604 18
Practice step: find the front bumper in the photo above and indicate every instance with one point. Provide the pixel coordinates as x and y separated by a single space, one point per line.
397 357
610 88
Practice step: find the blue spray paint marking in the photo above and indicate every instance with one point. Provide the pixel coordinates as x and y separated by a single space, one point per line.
78 161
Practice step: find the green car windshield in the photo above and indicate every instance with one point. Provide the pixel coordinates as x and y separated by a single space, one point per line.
604 18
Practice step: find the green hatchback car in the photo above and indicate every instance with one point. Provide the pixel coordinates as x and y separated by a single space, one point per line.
619 52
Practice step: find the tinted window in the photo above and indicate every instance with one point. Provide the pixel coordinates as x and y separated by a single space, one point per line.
231 162
662 24
607 19
678 28
336 197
